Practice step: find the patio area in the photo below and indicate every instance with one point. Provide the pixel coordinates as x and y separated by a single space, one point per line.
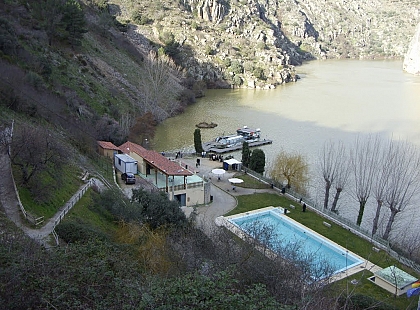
177 182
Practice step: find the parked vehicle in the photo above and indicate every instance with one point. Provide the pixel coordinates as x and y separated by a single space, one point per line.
129 178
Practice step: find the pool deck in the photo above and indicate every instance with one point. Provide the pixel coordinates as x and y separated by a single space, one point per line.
364 266
224 200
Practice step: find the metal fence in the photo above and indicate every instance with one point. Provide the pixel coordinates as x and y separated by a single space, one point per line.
336 218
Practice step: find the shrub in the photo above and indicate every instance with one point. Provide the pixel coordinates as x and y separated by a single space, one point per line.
140 19
236 67
8 41
259 73
359 302
237 81
227 62
209 50
34 79
71 231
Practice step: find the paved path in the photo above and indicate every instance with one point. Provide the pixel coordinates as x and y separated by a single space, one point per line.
224 198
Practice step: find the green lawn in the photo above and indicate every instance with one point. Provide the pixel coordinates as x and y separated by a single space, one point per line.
339 235
250 182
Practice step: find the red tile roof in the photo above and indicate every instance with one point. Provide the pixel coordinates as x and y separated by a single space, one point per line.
107 145
155 159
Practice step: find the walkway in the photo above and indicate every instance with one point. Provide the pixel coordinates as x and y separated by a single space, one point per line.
10 203
224 198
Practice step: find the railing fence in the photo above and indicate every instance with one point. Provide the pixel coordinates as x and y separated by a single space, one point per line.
336 218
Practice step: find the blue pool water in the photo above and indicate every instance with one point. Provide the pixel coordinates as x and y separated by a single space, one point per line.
294 241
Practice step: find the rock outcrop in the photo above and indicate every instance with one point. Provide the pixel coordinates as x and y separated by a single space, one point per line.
257 44
412 58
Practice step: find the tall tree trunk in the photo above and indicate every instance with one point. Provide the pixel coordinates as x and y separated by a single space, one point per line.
391 219
335 201
362 205
327 193
376 218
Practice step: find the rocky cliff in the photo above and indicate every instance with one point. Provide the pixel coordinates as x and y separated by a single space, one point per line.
257 43
412 58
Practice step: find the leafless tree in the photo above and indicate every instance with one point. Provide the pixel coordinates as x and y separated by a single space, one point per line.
382 179
33 149
127 120
405 180
160 85
334 169
363 158
342 176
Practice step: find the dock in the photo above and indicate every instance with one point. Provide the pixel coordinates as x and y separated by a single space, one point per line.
213 148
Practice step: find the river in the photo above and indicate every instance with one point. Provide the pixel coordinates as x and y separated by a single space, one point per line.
333 100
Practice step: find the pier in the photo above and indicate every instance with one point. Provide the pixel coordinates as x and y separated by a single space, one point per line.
213 147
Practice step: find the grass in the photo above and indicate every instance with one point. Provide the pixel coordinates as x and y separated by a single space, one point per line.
340 236
250 182
56 193
85 212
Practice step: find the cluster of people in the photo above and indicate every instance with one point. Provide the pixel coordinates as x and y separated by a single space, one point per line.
217 157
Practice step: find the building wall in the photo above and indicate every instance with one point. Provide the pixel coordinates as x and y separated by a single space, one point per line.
194 196
109 153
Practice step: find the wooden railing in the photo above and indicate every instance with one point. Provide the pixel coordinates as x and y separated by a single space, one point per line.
70 204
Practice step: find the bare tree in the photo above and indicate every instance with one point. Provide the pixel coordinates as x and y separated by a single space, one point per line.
331 166
292 168
382 180
405 180
341 174
33 149
161 86
363 159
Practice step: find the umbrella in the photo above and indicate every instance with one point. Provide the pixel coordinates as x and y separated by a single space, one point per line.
235 181
218 171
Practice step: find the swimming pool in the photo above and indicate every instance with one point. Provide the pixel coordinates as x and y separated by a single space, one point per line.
294 241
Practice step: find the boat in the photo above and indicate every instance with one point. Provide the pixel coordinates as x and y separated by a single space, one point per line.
242 135
206 125
249 134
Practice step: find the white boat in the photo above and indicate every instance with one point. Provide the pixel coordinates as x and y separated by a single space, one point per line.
242 134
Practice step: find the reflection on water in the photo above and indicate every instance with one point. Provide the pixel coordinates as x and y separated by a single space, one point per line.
335 99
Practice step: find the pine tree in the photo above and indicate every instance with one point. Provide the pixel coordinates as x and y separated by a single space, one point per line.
257 161
197 141
246 154
73 22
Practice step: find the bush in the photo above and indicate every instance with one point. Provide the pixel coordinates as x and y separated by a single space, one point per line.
237 81
34 79
140 19
8 41
227 62
71 231
360 302
259 73
157 210
236 67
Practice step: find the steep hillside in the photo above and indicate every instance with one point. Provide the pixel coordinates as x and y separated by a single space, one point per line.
116 67
256 43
